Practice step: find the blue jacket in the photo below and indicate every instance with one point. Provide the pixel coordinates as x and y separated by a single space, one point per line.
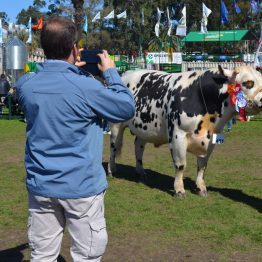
63 110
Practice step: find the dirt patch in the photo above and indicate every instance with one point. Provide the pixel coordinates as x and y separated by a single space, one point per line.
127 248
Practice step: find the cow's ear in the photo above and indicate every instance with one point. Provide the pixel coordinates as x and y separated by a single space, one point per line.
220 77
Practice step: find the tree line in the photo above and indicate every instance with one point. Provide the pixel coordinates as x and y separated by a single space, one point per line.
130 34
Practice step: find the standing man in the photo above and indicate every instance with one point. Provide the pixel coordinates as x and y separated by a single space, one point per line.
66 181
4 89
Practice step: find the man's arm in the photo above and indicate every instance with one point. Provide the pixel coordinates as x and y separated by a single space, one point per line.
114 103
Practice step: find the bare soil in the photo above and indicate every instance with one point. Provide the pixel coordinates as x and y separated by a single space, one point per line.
128 248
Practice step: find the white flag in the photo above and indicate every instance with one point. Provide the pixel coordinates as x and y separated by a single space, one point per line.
29 26
10 27
158 22
181 27
159 12
142 17
111 15
157 29
122 15
1 32
97 17
169 22
206 13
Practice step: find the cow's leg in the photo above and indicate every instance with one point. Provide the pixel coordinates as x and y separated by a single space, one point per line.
178 148
116 139
139 150
201 168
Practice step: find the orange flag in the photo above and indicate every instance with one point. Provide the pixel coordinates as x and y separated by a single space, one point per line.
39 24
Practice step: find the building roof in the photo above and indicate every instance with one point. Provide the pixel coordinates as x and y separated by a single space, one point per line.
219 36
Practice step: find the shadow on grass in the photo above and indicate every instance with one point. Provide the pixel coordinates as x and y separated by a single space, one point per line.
153 179
239 196
165 183
231 193
15 254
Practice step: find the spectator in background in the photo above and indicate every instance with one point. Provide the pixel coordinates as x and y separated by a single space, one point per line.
66 181
230 122
4 89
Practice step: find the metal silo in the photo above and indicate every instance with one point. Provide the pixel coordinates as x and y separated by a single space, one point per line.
15 57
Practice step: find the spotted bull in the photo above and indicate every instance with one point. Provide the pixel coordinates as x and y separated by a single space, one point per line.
183 110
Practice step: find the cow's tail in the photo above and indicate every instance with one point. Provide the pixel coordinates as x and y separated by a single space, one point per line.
117 135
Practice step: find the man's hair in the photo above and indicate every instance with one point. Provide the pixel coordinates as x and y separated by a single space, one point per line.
58 36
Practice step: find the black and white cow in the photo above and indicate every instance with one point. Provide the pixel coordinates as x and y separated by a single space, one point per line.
183 110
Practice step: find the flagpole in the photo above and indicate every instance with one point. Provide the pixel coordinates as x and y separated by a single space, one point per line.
219 28
234 32
86 30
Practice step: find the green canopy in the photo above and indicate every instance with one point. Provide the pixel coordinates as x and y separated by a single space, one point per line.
216 36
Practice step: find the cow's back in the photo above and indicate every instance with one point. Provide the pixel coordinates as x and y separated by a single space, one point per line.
150 90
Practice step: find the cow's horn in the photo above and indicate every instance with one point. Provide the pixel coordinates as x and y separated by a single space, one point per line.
237 70
225 72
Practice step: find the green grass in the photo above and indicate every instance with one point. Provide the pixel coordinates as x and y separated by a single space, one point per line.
227 223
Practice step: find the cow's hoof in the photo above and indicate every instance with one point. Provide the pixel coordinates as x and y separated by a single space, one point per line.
180 195
110 174
202 193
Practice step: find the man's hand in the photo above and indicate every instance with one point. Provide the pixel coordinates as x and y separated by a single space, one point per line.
106 61
78 61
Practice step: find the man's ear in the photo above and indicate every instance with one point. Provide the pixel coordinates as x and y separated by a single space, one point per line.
75 51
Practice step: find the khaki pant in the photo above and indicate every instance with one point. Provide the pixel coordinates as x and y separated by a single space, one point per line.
84 218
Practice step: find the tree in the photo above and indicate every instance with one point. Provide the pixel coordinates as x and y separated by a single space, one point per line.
4 17
130 34
135 33
78 6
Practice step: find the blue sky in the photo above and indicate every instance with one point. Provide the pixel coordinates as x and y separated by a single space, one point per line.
13 7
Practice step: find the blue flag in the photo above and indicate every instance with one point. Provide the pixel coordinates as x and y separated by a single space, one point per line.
223 13
85 26
254 6
237 8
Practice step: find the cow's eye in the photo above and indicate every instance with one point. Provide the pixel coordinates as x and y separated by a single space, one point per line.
248 84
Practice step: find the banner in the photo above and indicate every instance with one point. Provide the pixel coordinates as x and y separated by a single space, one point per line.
1 32
258 55
121 15
97 17
236 7
224 13
142 17
39 24
163 58
169 22
111 15
85 26
29 26
181 27
158 22
206 12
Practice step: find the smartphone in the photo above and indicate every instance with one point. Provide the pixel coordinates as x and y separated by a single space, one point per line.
92 59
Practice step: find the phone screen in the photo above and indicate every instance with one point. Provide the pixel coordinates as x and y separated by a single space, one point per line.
92 59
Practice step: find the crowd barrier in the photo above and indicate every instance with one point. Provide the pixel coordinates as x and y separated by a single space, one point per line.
203 65
174 68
